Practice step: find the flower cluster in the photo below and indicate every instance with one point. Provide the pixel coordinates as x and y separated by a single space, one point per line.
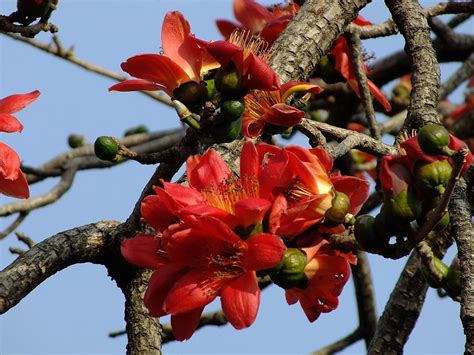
12 180
215 235
413 183
223 88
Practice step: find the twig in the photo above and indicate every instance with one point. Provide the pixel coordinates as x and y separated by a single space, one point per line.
26 31
11 228
446 34
464 72
340 344
316 138
22 237
364 290
389 27
53 195
71 58
351 139
353 40
15 250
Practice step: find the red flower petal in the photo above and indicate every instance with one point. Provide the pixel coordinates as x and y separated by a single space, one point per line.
177 45
379 96
259 75
17 187
356 189
252 128
274 28
15 103
284 115
185 324
251 14
240 300
9 162
9 124
160 283
226 27
156 212
264 251
136 85
142 250
249 160
207 170
191 292
251 211
156 69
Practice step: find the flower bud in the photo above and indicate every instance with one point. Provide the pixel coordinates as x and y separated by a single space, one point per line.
403 208
136 130
226 132
433 177
211 88
76 140
327 70
232 109
340 207
228 81
191 93
441 267
401 95
434 139
106 148
289 272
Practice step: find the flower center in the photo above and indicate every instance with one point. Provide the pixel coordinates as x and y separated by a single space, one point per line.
250 43
259 102
297 191
227 264
228 193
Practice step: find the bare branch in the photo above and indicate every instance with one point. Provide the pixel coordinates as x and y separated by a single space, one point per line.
16 223
340 344
462 74
71 58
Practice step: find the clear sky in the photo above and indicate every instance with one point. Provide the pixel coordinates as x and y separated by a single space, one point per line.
73 311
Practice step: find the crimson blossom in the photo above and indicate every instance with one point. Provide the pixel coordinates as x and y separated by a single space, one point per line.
12 180
183 60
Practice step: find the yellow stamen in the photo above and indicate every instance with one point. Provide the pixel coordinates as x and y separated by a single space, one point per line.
250 43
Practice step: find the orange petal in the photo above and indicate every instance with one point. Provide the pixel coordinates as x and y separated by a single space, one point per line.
15 103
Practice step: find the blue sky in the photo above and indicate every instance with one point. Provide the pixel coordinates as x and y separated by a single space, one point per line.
73 311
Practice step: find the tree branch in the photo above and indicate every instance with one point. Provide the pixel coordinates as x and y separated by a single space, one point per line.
89 243
310 35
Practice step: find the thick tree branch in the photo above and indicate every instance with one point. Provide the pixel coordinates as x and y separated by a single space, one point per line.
310 35
463 233
89 243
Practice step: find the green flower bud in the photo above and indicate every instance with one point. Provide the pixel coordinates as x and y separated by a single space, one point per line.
340 207
383 228
441 267
232 109
401 96
364 230
227 132
433 177
211 88
106 148
453 278
228 81
191 93
76 140
136 130
403 208
327 71
434 139
289 272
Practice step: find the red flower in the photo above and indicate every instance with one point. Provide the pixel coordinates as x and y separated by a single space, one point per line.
212 191
299 181
344 65
12 180
195 264
183 60
263 107
258 19
327 271
248 54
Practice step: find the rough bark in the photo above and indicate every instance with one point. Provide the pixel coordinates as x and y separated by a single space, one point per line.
89 243
310 35
463 233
